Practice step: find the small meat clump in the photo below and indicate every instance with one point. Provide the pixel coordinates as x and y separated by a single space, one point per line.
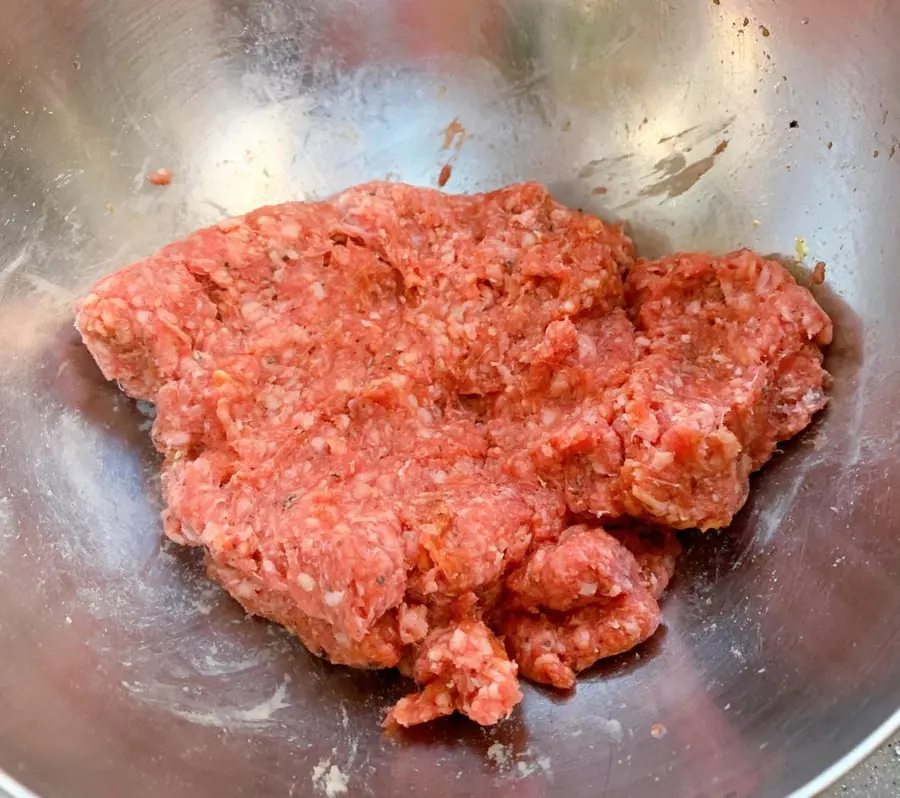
160 177
454 434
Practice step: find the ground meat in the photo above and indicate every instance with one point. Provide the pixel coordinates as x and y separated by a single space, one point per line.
585 564
416 428
161 177
818 274
552 647
730 365
463 667
655 550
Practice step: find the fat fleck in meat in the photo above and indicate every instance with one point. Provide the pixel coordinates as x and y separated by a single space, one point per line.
453 434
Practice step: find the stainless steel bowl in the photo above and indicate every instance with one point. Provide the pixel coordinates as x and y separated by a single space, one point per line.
706 124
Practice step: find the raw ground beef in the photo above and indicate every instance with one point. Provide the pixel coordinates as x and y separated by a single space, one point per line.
454 434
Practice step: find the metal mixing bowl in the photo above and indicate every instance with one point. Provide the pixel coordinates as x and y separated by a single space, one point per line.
706 124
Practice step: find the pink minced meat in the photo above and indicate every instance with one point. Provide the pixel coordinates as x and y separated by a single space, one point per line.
396 420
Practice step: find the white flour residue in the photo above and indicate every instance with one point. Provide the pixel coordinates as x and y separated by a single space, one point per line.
499 754
213 666
518 765
9 269
768 519
329 779
612 729
228 718
7 527
527 766
223 717
333 779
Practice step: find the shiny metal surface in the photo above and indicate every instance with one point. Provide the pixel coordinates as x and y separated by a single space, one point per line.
123 673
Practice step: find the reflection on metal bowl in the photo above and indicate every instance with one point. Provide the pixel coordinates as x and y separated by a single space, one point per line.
705 124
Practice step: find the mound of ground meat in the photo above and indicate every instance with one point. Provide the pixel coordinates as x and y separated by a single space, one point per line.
454 434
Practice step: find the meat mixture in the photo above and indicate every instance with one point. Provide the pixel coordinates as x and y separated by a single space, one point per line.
454 434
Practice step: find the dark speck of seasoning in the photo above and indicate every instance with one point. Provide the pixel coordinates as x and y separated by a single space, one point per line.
875 154
446 172
380 579
76 65
830 144
746 21
716 2
794 123
765 31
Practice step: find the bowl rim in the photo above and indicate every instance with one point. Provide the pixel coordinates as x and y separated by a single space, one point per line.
851 759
